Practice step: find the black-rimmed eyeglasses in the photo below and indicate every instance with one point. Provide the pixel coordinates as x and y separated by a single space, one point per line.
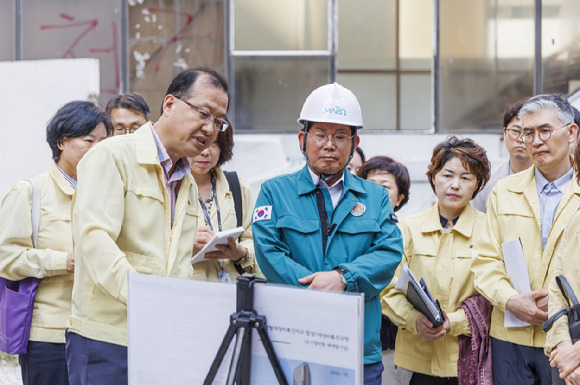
544 134
206 117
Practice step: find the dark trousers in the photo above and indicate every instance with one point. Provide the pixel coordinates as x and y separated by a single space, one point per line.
373 373
44 364
424 379
518 364
92 362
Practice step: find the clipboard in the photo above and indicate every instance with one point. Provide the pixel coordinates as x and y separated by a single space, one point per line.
219 238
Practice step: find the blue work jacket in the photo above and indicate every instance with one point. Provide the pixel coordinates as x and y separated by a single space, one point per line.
288 244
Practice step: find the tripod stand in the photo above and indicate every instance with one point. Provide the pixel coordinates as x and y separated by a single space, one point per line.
241 324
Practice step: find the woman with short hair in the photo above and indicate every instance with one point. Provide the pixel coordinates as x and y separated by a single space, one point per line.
393 176
73 130
437 247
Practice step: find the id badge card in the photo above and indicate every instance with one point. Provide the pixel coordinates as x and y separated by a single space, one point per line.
225 276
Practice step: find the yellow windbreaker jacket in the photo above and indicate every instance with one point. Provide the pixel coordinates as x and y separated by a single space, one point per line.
19 260
514 211
443 260
122 224
566 263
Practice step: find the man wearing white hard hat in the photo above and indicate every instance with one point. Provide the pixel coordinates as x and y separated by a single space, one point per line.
324 228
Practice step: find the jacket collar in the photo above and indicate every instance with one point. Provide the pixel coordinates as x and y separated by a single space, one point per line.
222 186
60 180
523 183
306 186
145 147
529 177
464 224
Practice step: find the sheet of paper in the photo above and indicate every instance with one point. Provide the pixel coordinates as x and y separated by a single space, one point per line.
176 327
403 280
219 238
517 270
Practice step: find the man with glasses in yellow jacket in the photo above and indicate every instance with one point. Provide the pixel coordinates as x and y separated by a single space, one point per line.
533 206
136 211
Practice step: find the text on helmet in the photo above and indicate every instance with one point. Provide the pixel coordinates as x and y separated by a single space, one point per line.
335 110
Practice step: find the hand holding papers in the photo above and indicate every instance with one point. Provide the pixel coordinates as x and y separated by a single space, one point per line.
515 266
419 296
219 238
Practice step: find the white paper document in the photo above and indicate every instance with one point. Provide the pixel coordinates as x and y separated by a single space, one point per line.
219 238
517 270
176 327
403 280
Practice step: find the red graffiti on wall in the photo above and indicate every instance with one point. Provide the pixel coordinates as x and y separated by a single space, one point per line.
86 27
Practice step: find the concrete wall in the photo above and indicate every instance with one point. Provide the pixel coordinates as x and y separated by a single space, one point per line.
32 91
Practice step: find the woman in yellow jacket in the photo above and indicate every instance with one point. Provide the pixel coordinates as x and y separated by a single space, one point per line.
438 244
76 127
217 213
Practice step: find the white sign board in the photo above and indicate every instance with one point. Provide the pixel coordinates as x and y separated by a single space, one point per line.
176 327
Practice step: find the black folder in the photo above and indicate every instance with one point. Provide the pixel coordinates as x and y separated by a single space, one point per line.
420 298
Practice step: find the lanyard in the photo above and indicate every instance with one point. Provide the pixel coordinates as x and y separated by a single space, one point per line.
324 228
217 206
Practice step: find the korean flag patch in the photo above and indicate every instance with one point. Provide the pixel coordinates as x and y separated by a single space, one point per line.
262 213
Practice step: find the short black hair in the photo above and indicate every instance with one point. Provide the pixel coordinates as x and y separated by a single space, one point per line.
398 170
182 84
75 119
511 111
361 154
129 101
225 141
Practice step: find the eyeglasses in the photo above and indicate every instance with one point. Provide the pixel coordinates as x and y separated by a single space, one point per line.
124 131
206 117
544 134
513 133
321 139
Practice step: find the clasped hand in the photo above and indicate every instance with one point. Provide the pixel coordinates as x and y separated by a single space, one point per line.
530 307
566 357
427 331
324 280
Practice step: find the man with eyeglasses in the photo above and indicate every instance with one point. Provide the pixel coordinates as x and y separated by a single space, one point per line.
324 228
135 211
128 112
518 156
534 207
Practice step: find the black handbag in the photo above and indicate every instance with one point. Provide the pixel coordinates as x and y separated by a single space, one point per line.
573 313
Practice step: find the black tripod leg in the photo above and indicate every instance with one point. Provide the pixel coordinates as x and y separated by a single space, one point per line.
271 354
220 355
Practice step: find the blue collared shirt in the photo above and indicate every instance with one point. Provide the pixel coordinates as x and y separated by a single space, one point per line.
550 194
173 180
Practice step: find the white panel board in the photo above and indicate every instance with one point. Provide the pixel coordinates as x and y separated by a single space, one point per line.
31 91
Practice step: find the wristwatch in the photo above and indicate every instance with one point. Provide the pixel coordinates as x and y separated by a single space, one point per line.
242 260
342 271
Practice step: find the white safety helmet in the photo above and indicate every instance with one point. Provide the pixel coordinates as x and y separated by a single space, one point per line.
332 103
